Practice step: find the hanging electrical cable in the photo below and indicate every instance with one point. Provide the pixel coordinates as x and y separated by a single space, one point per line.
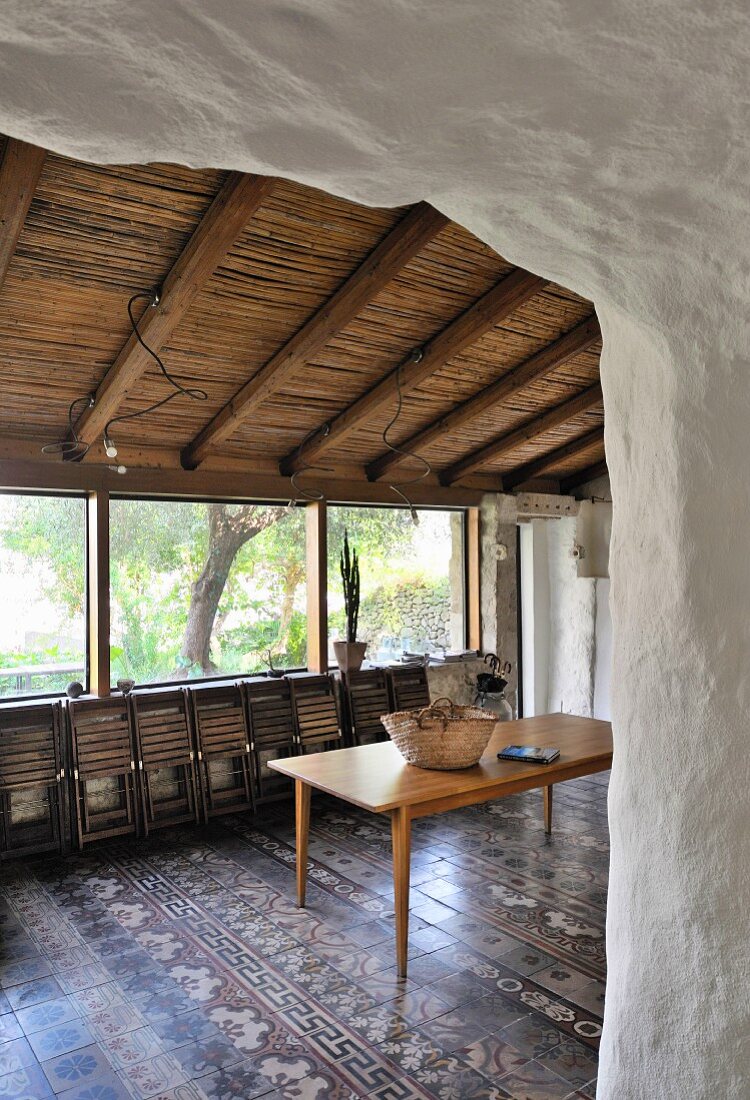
72 447
75 449
415 356
178 389
299 491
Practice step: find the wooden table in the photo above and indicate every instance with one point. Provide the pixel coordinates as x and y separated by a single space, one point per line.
377 778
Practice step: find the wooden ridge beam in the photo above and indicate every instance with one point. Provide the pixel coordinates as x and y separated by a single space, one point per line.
416 229
536 366
503 444
244 484
544 463
19 175
580 477
231 210
487 312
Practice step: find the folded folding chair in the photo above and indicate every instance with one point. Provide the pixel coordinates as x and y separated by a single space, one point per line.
223 747
103 761
165 758
409 688
273 732
315 700
32 781
367 696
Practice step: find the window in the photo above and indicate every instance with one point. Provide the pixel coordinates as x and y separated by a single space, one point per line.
201 589
412 579
42 593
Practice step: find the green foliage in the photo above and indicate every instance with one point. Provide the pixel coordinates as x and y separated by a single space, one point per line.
43 682
158 550
50 530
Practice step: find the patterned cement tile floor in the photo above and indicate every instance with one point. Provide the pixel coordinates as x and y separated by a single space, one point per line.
179 967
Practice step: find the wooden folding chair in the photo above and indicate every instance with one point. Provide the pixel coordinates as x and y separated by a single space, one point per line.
31 780
315 700
367 697
273 732
223 746
165 758
103 761
409 688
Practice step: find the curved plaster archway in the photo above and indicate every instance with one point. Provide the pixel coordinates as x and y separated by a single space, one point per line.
602 144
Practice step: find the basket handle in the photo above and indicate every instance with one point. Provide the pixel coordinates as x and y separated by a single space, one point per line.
436 711
431 712
445 699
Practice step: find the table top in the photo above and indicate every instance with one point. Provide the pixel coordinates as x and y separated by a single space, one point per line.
376 777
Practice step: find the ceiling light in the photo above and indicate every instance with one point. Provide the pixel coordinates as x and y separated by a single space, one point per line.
109 448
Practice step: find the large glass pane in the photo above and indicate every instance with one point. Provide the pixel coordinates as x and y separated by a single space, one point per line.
205 589
42 593
412 579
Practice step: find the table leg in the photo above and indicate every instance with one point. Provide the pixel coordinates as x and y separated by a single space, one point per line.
401 834
548 809
303 792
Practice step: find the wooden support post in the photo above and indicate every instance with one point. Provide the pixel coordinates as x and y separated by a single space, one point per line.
473 581
316 529
98 591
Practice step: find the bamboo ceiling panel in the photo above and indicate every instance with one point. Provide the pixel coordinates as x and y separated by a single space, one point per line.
421 301
550 441
95 235
588 457
295 253
495 419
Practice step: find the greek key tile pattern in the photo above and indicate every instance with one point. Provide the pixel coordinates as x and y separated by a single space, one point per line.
180 968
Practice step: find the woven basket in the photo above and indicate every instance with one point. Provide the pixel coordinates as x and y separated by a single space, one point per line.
443 736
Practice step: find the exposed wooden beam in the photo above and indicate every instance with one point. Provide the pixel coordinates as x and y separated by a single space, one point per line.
237 485
536 366
487 312
409 237
231 210
503 444
316 537
544 463
599 469
19 175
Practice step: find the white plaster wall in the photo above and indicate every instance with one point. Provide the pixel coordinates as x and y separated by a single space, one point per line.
535 622
602 652
571 625
602 143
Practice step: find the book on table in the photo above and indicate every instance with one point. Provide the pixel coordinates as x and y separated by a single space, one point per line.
528 754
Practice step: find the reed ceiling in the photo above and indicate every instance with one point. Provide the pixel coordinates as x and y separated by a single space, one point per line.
279 307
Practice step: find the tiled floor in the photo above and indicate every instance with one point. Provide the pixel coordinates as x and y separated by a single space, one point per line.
180 968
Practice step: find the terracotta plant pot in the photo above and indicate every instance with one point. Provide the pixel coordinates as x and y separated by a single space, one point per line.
349 655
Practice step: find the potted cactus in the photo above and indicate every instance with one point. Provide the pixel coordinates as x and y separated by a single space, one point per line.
350 653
